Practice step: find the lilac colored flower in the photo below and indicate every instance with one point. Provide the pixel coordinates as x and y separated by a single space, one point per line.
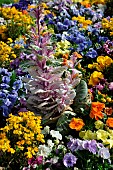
91 53
104 153
90 145
15 64
69 160
111 86
98 25
100 145
74 144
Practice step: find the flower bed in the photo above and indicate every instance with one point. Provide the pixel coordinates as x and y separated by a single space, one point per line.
56 85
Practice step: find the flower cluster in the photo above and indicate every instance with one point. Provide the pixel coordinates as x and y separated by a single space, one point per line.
22 134
16 22
66 156
100 134
6 54
10 91
91 145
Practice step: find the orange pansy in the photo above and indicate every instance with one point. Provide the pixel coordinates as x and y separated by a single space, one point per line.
109 122
108 110
76 123
96 110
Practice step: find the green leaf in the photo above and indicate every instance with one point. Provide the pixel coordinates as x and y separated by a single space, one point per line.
13 78
81 91
80 101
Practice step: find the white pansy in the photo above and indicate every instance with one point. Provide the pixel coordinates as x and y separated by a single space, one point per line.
44 150
50 143
56 134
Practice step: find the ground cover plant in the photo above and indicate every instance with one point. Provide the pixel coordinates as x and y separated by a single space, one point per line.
56 85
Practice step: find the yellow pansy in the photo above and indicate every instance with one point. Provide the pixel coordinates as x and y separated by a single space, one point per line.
95 65
99 124
44 5
108 142
89 135
95 78
104 61
82 134
102 135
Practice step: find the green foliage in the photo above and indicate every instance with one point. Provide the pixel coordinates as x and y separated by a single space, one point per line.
80 100
6 2
81 91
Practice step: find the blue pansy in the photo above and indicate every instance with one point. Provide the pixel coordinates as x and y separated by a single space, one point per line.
4 86
61 27
67 22
91 53
2 95
7 102
17 84
12 97
6 79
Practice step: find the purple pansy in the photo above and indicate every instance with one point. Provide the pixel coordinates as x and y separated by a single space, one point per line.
69 160
91 146
74 144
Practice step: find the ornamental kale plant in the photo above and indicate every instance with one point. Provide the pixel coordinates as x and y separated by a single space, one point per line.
50 89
